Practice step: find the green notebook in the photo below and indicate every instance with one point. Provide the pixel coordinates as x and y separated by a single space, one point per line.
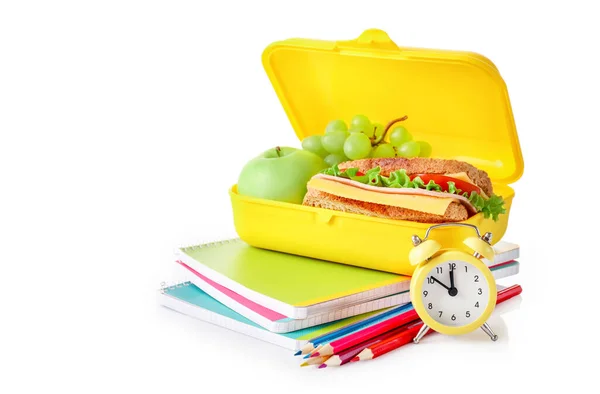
294 286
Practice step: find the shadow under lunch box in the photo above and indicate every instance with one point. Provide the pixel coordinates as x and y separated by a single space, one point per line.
456 101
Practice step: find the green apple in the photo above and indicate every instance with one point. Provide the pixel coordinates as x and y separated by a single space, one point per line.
279 174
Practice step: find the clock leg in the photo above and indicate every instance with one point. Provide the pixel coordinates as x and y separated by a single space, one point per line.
421 333
487 329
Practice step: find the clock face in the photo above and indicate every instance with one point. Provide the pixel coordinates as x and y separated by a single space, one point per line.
455 293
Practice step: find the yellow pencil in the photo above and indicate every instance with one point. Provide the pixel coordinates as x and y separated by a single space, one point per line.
317 361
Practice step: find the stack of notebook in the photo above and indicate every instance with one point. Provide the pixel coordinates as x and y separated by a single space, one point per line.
286 299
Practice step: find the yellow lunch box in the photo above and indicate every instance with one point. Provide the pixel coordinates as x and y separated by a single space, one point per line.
456 101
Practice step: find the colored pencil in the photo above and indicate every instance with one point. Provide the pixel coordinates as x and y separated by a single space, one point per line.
329 337
305 349
398 340
316 349
367 333
508 293
315 361
347 355
406 336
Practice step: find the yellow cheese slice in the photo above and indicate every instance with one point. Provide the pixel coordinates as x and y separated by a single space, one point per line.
462 176
428 204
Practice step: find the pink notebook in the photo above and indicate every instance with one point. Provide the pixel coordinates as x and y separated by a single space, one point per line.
275 321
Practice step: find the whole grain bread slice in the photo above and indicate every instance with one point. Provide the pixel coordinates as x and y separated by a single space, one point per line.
420 165
315 198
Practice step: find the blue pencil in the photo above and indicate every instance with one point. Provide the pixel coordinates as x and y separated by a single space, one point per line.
329 337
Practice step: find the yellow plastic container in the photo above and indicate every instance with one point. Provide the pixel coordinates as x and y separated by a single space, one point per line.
457 101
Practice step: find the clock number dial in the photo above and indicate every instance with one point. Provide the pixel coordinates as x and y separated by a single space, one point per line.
461 303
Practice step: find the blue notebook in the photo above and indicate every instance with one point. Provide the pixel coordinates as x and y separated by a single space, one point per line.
188 299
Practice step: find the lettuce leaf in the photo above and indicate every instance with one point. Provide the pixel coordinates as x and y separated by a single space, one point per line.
452 188
351 172
493 207
418 183
433 186
375 179
361 178
477 201
401 178
335 171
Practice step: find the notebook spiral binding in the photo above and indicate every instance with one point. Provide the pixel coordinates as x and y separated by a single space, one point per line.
208 244
166 286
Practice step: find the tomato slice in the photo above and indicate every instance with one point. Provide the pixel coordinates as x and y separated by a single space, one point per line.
358 173
443 180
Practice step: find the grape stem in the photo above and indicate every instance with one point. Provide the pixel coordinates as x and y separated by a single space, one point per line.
387 128
278 151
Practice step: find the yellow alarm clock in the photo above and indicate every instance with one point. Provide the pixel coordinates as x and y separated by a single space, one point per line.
452 291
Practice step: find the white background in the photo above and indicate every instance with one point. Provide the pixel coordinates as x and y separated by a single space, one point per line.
123 123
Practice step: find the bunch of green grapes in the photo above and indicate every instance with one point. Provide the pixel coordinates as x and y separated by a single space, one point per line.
364 139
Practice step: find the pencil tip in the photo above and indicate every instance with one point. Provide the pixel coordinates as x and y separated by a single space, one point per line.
307 356
299 352
355 359
322 366
315 354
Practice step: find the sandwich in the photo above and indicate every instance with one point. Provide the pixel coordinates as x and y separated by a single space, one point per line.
419 189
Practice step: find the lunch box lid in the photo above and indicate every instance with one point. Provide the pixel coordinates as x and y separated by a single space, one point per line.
457 101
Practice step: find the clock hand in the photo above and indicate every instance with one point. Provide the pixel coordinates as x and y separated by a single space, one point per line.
452 291
443 285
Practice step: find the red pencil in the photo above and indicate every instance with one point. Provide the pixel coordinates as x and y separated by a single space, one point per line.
364 335
401 339
347 355
406 336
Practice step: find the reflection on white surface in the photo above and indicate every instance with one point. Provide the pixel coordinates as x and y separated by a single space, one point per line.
496 322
